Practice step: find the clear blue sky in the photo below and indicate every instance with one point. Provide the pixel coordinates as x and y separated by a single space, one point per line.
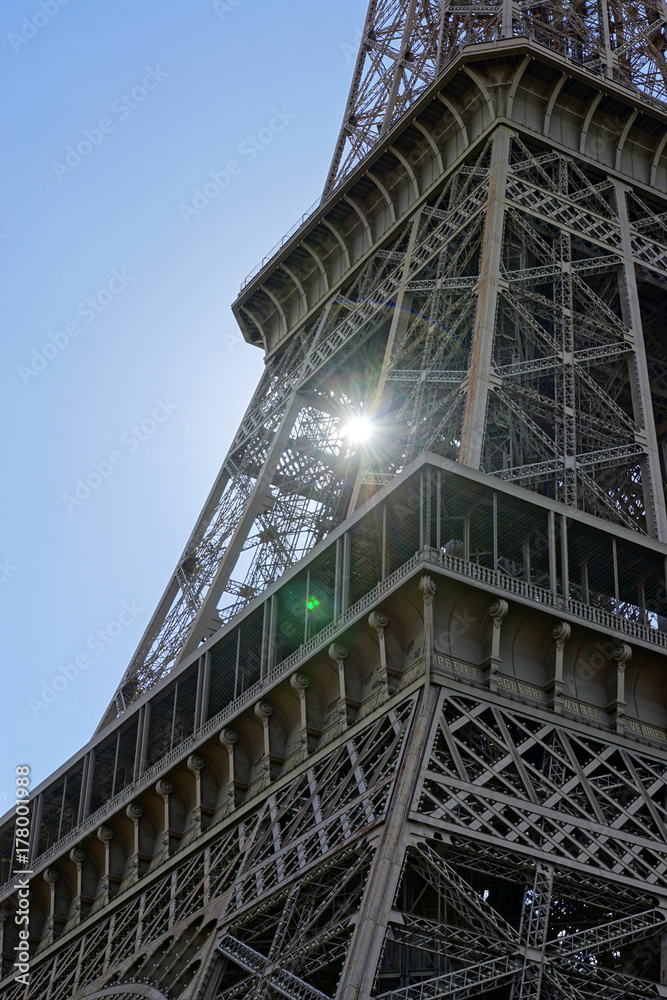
116 303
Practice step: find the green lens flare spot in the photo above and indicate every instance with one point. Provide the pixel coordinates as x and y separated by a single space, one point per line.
313 603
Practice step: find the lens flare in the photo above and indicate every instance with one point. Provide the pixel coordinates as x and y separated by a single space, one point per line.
358 430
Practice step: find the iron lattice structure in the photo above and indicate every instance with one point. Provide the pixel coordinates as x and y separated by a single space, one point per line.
456 787
397 728
406 44
483 280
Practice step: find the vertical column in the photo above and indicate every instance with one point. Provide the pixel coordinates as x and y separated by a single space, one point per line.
654 499
479 381
526 558
345 575
203 683
35 825
553 563
426 504
495 530
142 740
269 636
566 428
607 54
86 786
506 29
338 575
564 557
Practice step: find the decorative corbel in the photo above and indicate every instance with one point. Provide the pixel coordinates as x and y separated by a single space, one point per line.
195 765
561 634
77 856
427 588
134 812
105 836
263 712
378 621
50 876
497 613
164 789
338 653
299 684
228 738
622 655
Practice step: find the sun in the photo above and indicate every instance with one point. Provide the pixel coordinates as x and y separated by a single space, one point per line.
358 430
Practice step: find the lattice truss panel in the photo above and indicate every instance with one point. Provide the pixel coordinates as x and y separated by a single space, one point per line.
584 800
563 413
567 410
281 886
545 845
473 922
406 43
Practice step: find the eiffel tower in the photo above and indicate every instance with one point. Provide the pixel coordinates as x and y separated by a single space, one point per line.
398 726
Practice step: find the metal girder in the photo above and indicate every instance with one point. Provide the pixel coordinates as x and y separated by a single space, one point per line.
468 982
406 44
284 982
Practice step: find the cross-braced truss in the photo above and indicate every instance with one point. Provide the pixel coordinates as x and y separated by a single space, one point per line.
505 333
406 43
282 883
531 863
